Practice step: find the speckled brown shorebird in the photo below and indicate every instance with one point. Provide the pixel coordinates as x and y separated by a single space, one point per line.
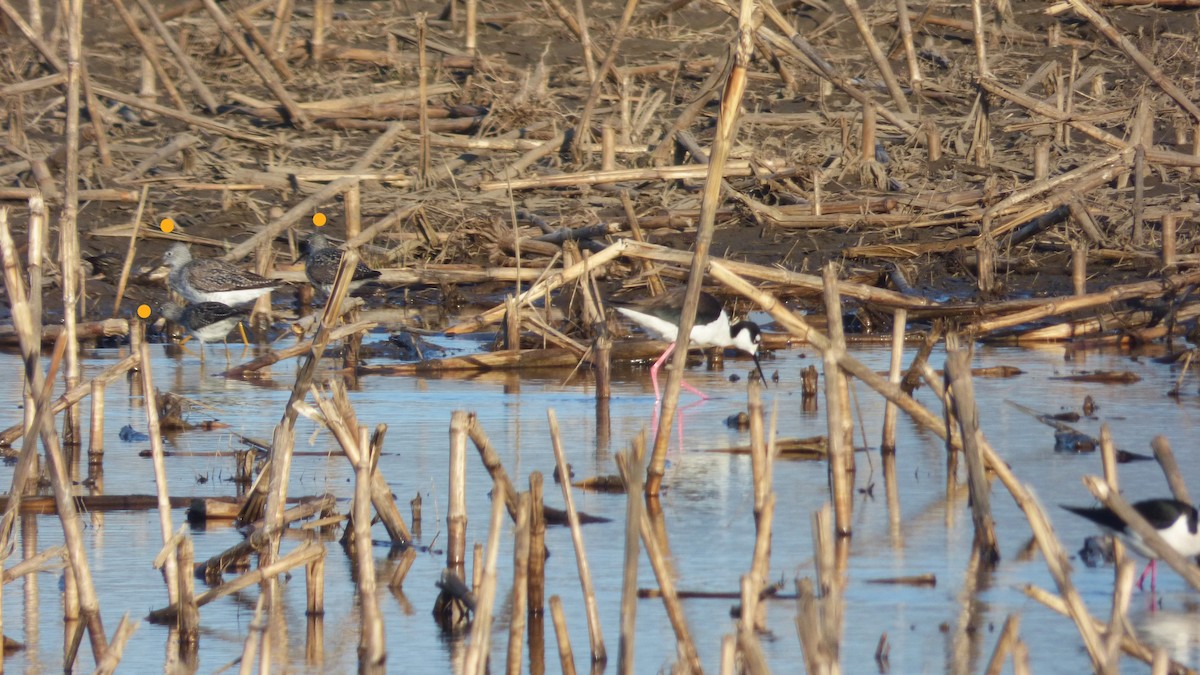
206 321
213 280
321 262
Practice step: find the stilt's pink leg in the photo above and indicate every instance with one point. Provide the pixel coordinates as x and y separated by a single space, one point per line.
654 376
1152 571
654 369
692 389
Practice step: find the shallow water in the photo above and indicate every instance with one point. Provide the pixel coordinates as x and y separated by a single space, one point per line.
708 508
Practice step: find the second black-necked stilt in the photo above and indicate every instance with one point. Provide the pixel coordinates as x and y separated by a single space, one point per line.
213 280
321 263
1175 521
660 316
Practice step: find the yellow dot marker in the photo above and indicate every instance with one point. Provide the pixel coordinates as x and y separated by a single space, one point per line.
144 311
167 226
319 219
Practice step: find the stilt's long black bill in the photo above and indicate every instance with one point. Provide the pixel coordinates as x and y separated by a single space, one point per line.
759 367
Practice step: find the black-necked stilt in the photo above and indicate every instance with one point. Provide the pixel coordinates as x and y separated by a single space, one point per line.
213 280
206 321
1175 521
321 262
660 316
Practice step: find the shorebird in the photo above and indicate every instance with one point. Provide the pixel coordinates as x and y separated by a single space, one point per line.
1175 521
206 321
213 280
660 316
321 262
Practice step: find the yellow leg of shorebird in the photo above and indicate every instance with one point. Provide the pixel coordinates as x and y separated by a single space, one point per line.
184 340
242 330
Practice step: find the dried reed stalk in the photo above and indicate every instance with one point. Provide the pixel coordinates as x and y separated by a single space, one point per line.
796 46
1170 469
280 66
491 461
1150 536
38 252
520 587
583 129
339 417
314 582
116 649
665 577
958 379
69 265
595 635
1118 619
731 98
371 646
811 283
910 52
456 513
96 429
424 160
11 434
170 570
837 409
1129 643
543 288
181 58
269 77
566 656
630 465
305 207
152 55
282 442
1126 45
300 349
321 17
476 659
189 614
537 550
1004 644
255 633
880 59
89 605
301 555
